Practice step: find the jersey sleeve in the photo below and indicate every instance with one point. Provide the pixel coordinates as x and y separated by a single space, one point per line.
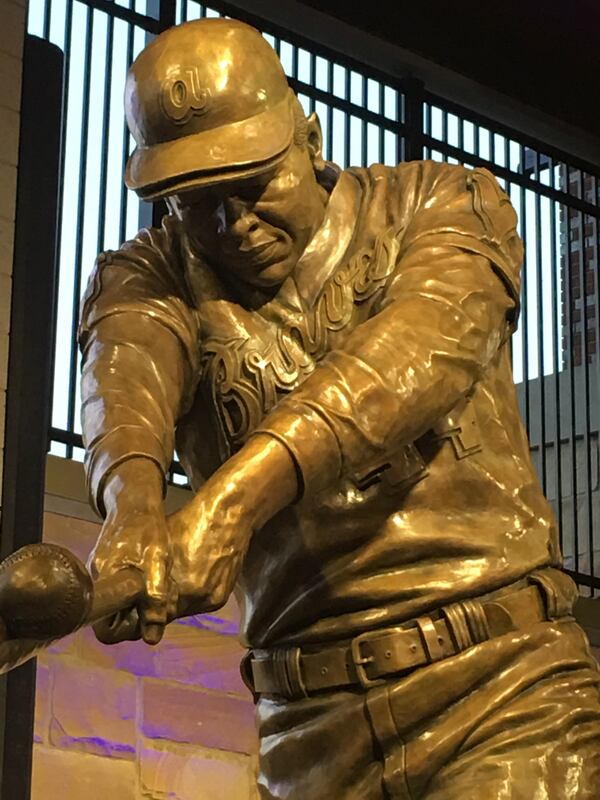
451 305
139 342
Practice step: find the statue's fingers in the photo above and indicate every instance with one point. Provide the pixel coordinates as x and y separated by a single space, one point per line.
154 608
172 600
154 617
122 627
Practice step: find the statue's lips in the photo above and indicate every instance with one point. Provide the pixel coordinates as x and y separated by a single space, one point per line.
263 254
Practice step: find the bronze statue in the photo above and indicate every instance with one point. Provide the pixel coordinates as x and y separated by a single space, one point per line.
329 353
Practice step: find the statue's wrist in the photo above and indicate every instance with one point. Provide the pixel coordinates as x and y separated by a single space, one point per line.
260 480
134 484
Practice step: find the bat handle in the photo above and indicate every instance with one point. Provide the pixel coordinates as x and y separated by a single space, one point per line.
119 592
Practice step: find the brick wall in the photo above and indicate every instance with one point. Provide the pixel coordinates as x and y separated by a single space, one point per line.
12 33
129 722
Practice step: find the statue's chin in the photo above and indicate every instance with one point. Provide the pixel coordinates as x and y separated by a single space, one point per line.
272 275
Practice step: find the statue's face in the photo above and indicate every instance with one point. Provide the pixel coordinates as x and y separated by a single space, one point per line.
257 228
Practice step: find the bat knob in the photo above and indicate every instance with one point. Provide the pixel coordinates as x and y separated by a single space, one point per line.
45 592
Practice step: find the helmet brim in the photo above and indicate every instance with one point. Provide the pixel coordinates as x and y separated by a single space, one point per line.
230 152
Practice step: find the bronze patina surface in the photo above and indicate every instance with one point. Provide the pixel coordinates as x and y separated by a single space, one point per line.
329 353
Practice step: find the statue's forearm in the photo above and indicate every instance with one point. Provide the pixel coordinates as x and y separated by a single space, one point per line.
136 483
131 392
265 476
397 374
211 534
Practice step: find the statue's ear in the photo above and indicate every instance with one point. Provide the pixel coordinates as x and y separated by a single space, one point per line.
314 141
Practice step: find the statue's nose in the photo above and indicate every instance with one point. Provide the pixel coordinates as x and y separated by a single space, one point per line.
239 219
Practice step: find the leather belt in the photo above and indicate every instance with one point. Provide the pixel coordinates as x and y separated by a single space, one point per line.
371 658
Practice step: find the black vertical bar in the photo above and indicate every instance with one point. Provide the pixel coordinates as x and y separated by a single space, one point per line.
413 110
167 14
330 112
399 113
569 328
586 378
557 367
381 128
596 307
540 325
294 62
105 131
46 24
30 369
444 133
427 125
89 30
524 298
63 144
461 138
364 130
347 95
313 81
125 152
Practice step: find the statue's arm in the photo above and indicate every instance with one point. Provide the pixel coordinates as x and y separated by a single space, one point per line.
400 372
138 337
452 302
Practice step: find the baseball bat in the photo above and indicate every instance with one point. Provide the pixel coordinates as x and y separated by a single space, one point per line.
47 593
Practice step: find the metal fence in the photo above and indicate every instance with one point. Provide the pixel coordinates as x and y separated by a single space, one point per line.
366 117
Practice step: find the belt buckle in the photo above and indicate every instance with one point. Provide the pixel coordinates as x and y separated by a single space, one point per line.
360 661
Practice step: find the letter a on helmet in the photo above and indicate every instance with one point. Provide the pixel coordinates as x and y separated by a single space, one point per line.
206 102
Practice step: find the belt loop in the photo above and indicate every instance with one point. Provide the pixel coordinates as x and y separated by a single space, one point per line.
294 671
393 748
429 637
559 592
280 673
457 621
477 620
468 623
287 671
247 676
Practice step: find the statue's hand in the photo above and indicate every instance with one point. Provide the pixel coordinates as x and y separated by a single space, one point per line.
209 537
135 534
210 534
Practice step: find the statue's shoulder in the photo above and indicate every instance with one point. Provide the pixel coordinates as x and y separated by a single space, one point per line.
154 248
152 257
144 274
411 184
432 188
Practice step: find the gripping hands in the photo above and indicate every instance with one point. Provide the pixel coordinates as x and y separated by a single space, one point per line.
191 559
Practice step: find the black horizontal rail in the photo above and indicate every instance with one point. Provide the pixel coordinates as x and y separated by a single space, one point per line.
298 40
364 114
581 579
72 439
510 175
521 137
126 14
399 83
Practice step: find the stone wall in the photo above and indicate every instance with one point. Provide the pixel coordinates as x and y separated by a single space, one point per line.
12 34
129 722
